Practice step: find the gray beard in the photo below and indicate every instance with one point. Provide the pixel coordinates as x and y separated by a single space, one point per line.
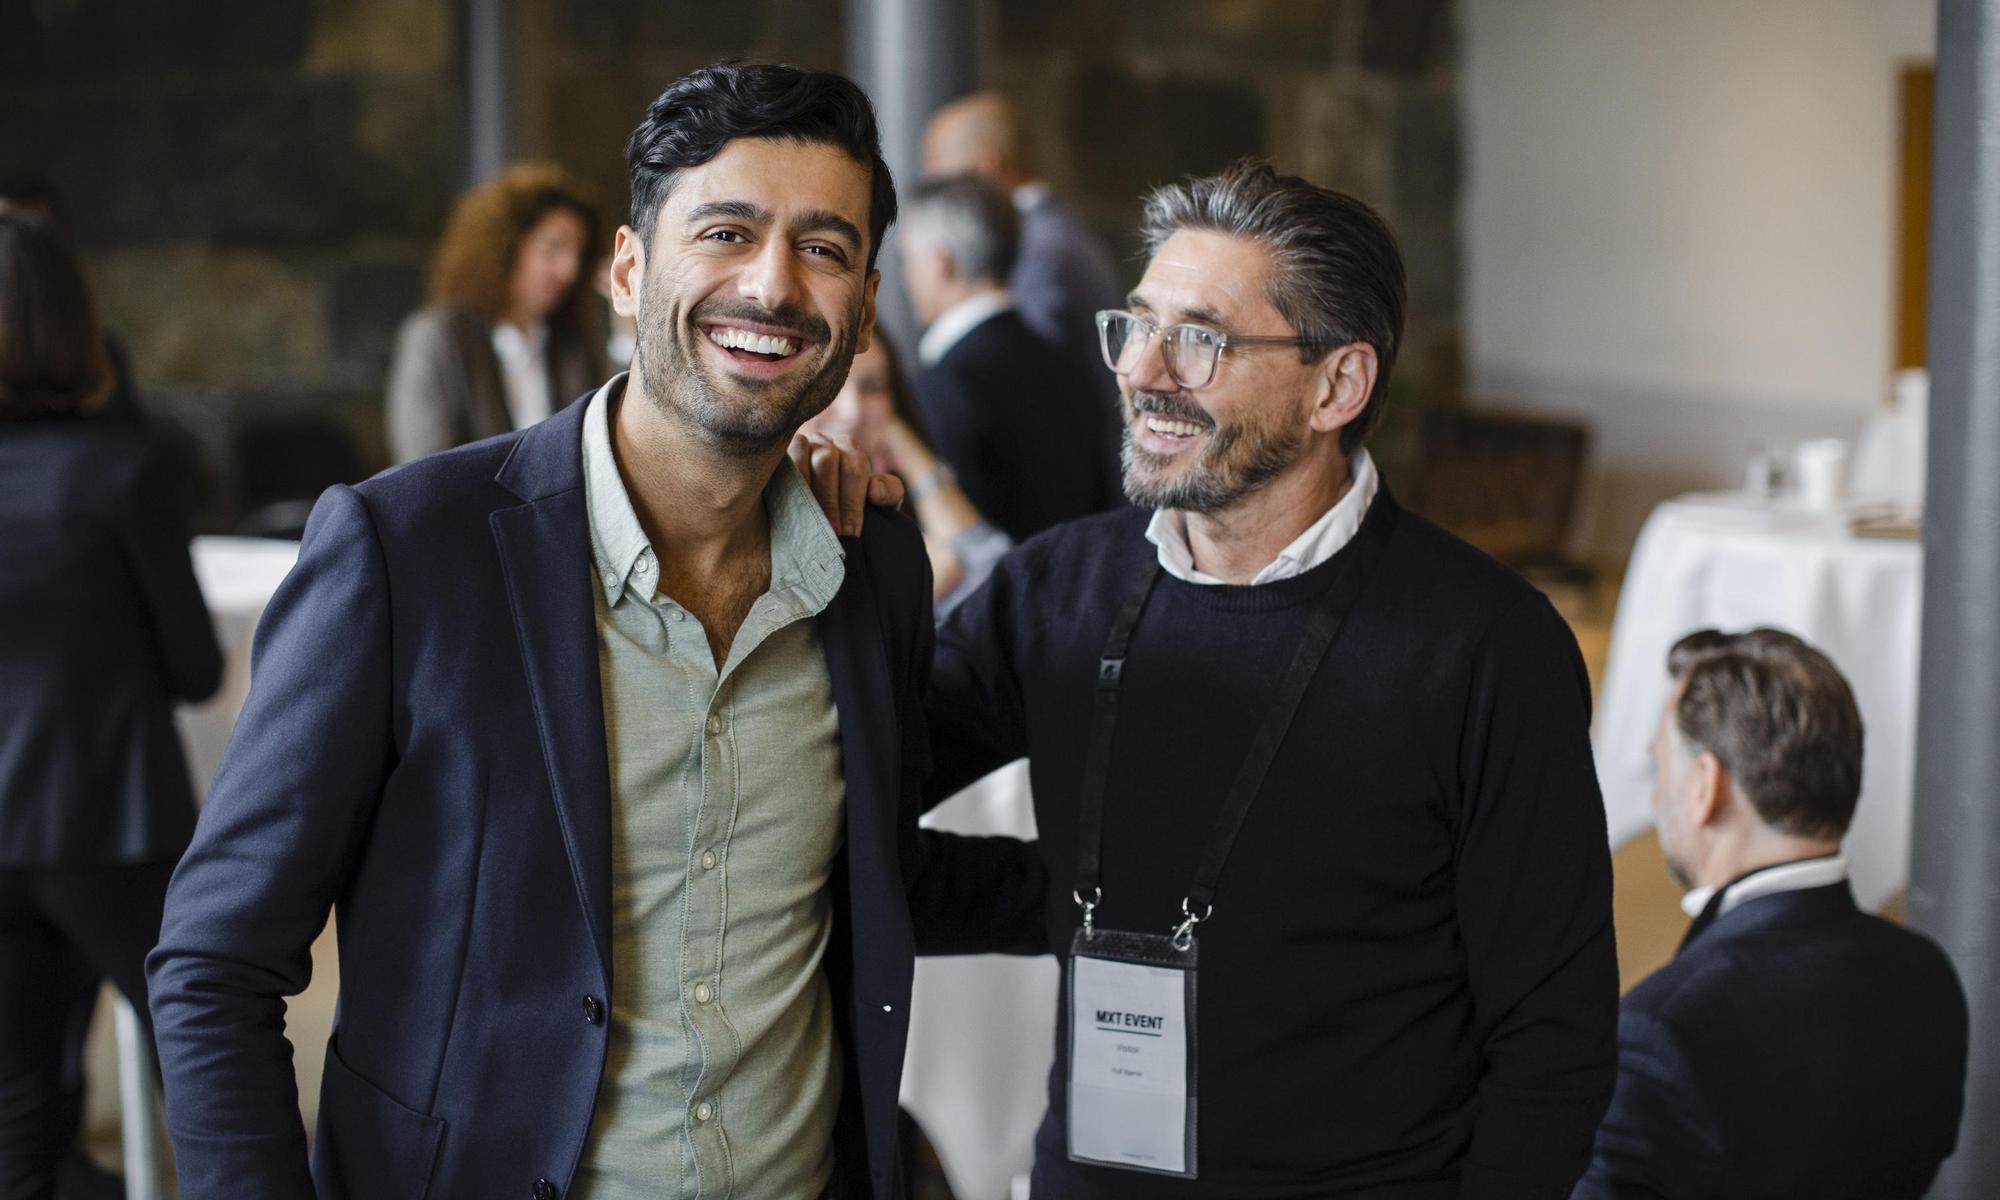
1214 482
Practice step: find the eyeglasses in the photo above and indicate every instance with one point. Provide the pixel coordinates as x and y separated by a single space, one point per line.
1191 351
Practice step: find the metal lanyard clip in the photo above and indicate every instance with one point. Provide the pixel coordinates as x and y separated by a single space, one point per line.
1089 907
1184 932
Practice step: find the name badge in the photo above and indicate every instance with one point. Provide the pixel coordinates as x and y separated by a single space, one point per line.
1131 1052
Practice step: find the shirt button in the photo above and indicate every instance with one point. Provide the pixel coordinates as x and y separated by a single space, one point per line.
708 860
715 724
593 1010
674 614
704 1111
701 993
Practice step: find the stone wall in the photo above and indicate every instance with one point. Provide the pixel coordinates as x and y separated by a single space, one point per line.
257 184
1355 94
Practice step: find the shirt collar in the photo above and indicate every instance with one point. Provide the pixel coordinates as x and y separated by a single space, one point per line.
1321 540
960 319
1030 195
1769 881
805 553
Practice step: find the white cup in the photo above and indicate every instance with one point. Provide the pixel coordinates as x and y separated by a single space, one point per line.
1819 466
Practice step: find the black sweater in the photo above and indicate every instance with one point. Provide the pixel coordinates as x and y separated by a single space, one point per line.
1408 987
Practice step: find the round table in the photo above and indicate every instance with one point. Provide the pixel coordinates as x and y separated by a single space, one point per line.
1725 562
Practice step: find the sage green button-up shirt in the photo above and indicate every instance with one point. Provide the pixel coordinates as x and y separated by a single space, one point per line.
728 808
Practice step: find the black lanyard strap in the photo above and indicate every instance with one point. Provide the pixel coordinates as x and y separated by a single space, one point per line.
1322 629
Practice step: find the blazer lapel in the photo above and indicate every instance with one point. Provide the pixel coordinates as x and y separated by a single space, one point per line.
857 667
544 548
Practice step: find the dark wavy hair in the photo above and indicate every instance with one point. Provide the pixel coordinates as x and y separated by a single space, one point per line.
474 264
52 356
705 110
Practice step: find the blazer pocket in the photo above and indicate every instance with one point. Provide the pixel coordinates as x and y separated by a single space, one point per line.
369 1146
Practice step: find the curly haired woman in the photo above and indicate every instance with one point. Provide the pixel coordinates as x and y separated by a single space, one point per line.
506 336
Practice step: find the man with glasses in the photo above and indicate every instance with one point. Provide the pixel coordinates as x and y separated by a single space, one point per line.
1326 862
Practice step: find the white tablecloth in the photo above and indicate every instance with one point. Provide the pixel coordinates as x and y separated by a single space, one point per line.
982 1028
1717 562
237 577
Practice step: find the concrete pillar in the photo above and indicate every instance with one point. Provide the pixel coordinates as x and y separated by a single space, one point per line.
911 56
486 44
1955 868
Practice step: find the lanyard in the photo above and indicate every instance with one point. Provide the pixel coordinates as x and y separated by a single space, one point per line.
1322 627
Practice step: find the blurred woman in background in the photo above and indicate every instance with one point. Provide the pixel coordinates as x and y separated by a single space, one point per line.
508 334
102 630
876 409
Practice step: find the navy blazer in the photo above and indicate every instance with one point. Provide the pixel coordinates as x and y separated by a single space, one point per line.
102 629
1798 1047
1030 442
423 750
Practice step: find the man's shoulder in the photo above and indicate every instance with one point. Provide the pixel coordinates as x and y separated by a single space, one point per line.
891 544
1773 969
1077 552
1002 341
1456 584
451 486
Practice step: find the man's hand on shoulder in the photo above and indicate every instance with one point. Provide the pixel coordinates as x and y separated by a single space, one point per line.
843 479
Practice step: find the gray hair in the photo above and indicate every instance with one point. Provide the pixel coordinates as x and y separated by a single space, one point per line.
1337 276
971 220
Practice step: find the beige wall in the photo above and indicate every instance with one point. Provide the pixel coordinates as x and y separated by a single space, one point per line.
1680 224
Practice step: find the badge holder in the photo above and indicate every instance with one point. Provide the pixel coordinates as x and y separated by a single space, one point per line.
1132 1078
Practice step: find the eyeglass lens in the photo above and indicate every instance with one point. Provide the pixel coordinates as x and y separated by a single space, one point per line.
1190 350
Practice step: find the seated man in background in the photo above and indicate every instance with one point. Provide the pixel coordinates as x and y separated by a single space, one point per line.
1017 419
1795 1046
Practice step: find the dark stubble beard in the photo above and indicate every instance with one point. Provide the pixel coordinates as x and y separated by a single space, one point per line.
737 416
1241 458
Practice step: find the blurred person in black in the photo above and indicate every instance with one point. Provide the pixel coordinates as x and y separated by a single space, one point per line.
1063 274
1020 424
875 409
32 195
1796 1048
102 630
509 333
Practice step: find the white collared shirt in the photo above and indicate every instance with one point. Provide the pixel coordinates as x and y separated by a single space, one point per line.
960 319
1029 194
524 371
1322 539
1792 877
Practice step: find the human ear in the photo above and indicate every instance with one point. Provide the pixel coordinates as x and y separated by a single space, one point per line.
1345 380
1711 789
627 271
864 332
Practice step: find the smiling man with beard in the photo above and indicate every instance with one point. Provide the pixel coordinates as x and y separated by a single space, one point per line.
1326 863
604 750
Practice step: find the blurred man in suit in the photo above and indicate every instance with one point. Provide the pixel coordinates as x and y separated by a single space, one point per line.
1063 275
1795 1046
1018 421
